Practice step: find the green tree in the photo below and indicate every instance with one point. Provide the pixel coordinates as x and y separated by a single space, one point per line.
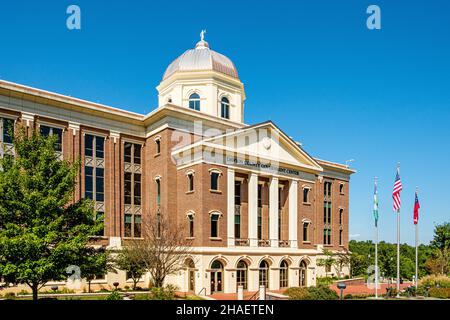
130 260
441 245
341 260
42 231
94 264
326 262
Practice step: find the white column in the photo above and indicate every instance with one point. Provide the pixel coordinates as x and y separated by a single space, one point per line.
230 207
273 212
253 209
293 218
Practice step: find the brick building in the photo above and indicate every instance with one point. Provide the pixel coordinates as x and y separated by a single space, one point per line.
257 206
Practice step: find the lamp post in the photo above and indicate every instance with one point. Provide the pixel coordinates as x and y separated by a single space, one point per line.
341 286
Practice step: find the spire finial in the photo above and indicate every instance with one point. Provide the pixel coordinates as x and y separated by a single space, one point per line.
202 35
202 44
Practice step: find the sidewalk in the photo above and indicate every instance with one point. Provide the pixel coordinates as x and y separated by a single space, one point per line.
233 296
364 289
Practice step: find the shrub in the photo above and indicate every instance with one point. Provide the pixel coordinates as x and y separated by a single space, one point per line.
348 297
325 280
391 292
9 296
115 295
298 293
434 281
311 293
164 293
322 293
442 293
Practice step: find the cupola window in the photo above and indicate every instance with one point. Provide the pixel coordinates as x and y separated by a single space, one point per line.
225 108
194 102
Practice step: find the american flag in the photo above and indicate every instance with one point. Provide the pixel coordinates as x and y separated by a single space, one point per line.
397 189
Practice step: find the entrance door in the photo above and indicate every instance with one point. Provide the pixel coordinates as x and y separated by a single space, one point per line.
190 269
303 268
216 277
192 280
216 281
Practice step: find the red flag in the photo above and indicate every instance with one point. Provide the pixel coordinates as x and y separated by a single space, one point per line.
416 210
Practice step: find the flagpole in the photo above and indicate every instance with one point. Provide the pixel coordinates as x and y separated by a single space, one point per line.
398 246
376 251
417 247
376 261
398 253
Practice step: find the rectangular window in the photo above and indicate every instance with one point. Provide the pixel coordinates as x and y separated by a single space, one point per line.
280 194
326 212
279 224
89 145
132 187
327 236
340 238
259 223
127 187
94 172
137 154
341 213
127 152
137 189
89 182
259 212
100 216
137 226
327 189
99 147
237 224
50 131
215 181
259 195
128 220
237 193
214 225
7 130
99 184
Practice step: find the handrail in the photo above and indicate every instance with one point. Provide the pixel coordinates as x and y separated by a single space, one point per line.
255 296
200 293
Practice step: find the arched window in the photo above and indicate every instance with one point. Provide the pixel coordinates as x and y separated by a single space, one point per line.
264 274
305 231
225 108
306 194
284 268
242 274
194 102
217 265
190 217
303 274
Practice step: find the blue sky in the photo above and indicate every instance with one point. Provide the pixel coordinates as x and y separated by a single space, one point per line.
312 67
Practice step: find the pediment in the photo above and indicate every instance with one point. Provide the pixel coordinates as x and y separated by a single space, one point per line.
263 143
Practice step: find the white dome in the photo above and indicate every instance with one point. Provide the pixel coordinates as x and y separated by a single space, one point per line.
202 58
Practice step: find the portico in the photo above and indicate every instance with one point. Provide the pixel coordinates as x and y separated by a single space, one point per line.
255 213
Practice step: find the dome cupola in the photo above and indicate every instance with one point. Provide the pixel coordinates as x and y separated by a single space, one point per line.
204 80
202 58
